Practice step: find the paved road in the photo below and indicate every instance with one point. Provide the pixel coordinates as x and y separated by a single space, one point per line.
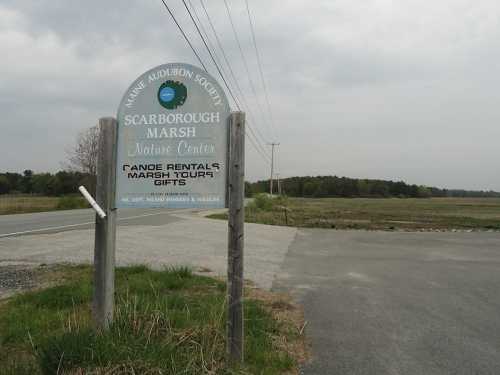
397 303
57 221
157 238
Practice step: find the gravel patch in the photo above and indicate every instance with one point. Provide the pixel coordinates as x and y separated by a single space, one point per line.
16 277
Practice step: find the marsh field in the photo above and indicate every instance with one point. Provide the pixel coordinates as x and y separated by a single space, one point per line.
411 214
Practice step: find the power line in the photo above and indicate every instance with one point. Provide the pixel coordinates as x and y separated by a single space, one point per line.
210 53
204 31
221 47
243 99
220 71
184 35
252 86
252 142
259 63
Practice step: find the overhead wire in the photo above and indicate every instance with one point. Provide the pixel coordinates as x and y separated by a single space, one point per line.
255 143
242 97
210 52
252 86
221 47
184 35
259 63
262 149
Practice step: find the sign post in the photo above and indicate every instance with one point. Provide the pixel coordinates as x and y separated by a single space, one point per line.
236 219
169 148
105 228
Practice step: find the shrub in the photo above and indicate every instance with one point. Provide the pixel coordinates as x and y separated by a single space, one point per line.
263 202
280 200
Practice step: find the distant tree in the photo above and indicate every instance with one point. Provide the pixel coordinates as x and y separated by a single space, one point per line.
66 182
27 181
4 185
380 189
43 184
363 188
413 191
424 192
14 181
83 157
398 189
250 189
320 191
310 187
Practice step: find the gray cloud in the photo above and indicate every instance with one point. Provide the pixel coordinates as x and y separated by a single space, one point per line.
401 90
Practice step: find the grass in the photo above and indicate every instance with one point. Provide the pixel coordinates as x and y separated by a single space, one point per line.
17 204
166 322
377 214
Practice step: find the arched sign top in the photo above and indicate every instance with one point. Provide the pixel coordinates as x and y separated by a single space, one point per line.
204 87
172 140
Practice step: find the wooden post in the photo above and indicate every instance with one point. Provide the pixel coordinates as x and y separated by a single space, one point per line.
236 183
105 229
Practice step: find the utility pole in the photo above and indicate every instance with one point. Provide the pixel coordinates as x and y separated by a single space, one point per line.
279 184
272 165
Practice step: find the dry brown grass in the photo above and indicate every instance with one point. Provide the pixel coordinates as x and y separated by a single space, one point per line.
19 204
292 336
12 204
407 214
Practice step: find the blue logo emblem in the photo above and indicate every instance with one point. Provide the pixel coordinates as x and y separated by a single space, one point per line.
167 94
172 94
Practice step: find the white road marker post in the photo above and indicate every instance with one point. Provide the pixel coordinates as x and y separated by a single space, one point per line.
105 228
236 187
92 202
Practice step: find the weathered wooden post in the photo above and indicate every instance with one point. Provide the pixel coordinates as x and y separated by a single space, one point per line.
105 228
236 187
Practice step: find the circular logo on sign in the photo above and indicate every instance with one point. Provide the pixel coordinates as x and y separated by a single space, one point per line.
172 94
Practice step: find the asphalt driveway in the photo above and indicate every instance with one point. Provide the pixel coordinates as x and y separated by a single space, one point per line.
397 303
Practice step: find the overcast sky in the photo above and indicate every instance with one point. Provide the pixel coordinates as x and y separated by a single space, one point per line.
393 89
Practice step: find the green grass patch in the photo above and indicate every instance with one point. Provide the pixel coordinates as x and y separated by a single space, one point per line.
376 214
166 322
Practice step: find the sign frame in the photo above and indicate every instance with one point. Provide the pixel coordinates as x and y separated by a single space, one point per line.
184 139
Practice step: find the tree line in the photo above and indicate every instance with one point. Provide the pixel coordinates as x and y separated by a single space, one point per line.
333 186
47 184
81 166
67 182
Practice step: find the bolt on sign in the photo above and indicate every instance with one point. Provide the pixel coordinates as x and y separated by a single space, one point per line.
173 140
